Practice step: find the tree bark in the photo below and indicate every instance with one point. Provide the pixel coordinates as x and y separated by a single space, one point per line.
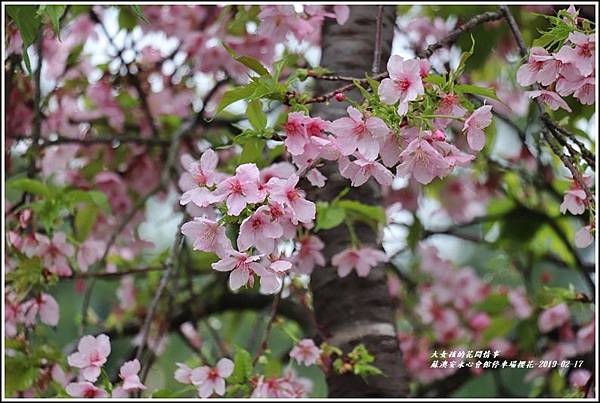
354 310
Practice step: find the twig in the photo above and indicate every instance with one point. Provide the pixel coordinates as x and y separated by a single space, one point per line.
96 140
467 26
263 345
116 274
377 52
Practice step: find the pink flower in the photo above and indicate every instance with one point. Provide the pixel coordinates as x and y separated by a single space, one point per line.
422 161
242 268
586 340
450 106
342 13
579 378
474 125
541 67
519 303
362 260
259 231
583 55
479 322
85 389
308 254
404 84
360 170
358 132
296 134
89 252
240 189
207 236
285 192
390 147
199 175
183 373
306 352
212 380
584 237
55 253
273 280
316 178
574 202
191 334
48 309
91 356
586 91
129 375
553 317
551 98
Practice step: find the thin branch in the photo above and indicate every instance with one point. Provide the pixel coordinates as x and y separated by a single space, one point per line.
116 274
95 140
467 26
263 345
377 52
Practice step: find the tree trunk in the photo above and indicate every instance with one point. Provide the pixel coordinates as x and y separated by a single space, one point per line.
354 310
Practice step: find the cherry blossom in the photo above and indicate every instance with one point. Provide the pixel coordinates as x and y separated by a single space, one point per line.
86 390
199 176
129 374
240 189
306 352
272 281
584 237
207 236
359 132
308 254
553 317
583 55
260 231
404 84
550 98
212 380
361 169
56 253
474 125
422 161
285 192
91 356
361 259
242 267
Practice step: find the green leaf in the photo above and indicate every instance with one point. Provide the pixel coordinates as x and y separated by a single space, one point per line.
28 22
54 13
248 61
139 13
329 215
85 219
493 304
168 393
252 151
476 90
234 95
242 366
21 373
499 327
30 186
435 79
256 116
94 197
364 211
127 19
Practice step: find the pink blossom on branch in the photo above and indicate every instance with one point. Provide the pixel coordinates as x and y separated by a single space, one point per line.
474 125
91 356
306 352
240 189
308 254
212 380
207 236
129 374
404 84
86 390
242 268
361 259
359 132
550 98
285 192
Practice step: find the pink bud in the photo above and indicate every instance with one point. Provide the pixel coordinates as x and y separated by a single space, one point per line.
339 96
438 135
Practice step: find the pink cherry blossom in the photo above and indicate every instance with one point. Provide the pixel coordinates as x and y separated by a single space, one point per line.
308 254
422 161
91 356
361 259
285 192
197 177
586 91
554 317
183 373
207 236
390 147
579 378
242 267
540 67
191 334
550 98
89 252
519 303
212 380
359 132
56 253
48 309
259 231
129 374
450 106
474 125
306 352
85 389
583 55
404 84
272 282
296 134
240 189
342 13
574 201
316 178
584 237
480 321
360 170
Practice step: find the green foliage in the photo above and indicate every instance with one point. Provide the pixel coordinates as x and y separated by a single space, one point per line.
28 22
331 214
54 13
242 366
358 361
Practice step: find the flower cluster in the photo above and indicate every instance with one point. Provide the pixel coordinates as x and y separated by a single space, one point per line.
207 380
